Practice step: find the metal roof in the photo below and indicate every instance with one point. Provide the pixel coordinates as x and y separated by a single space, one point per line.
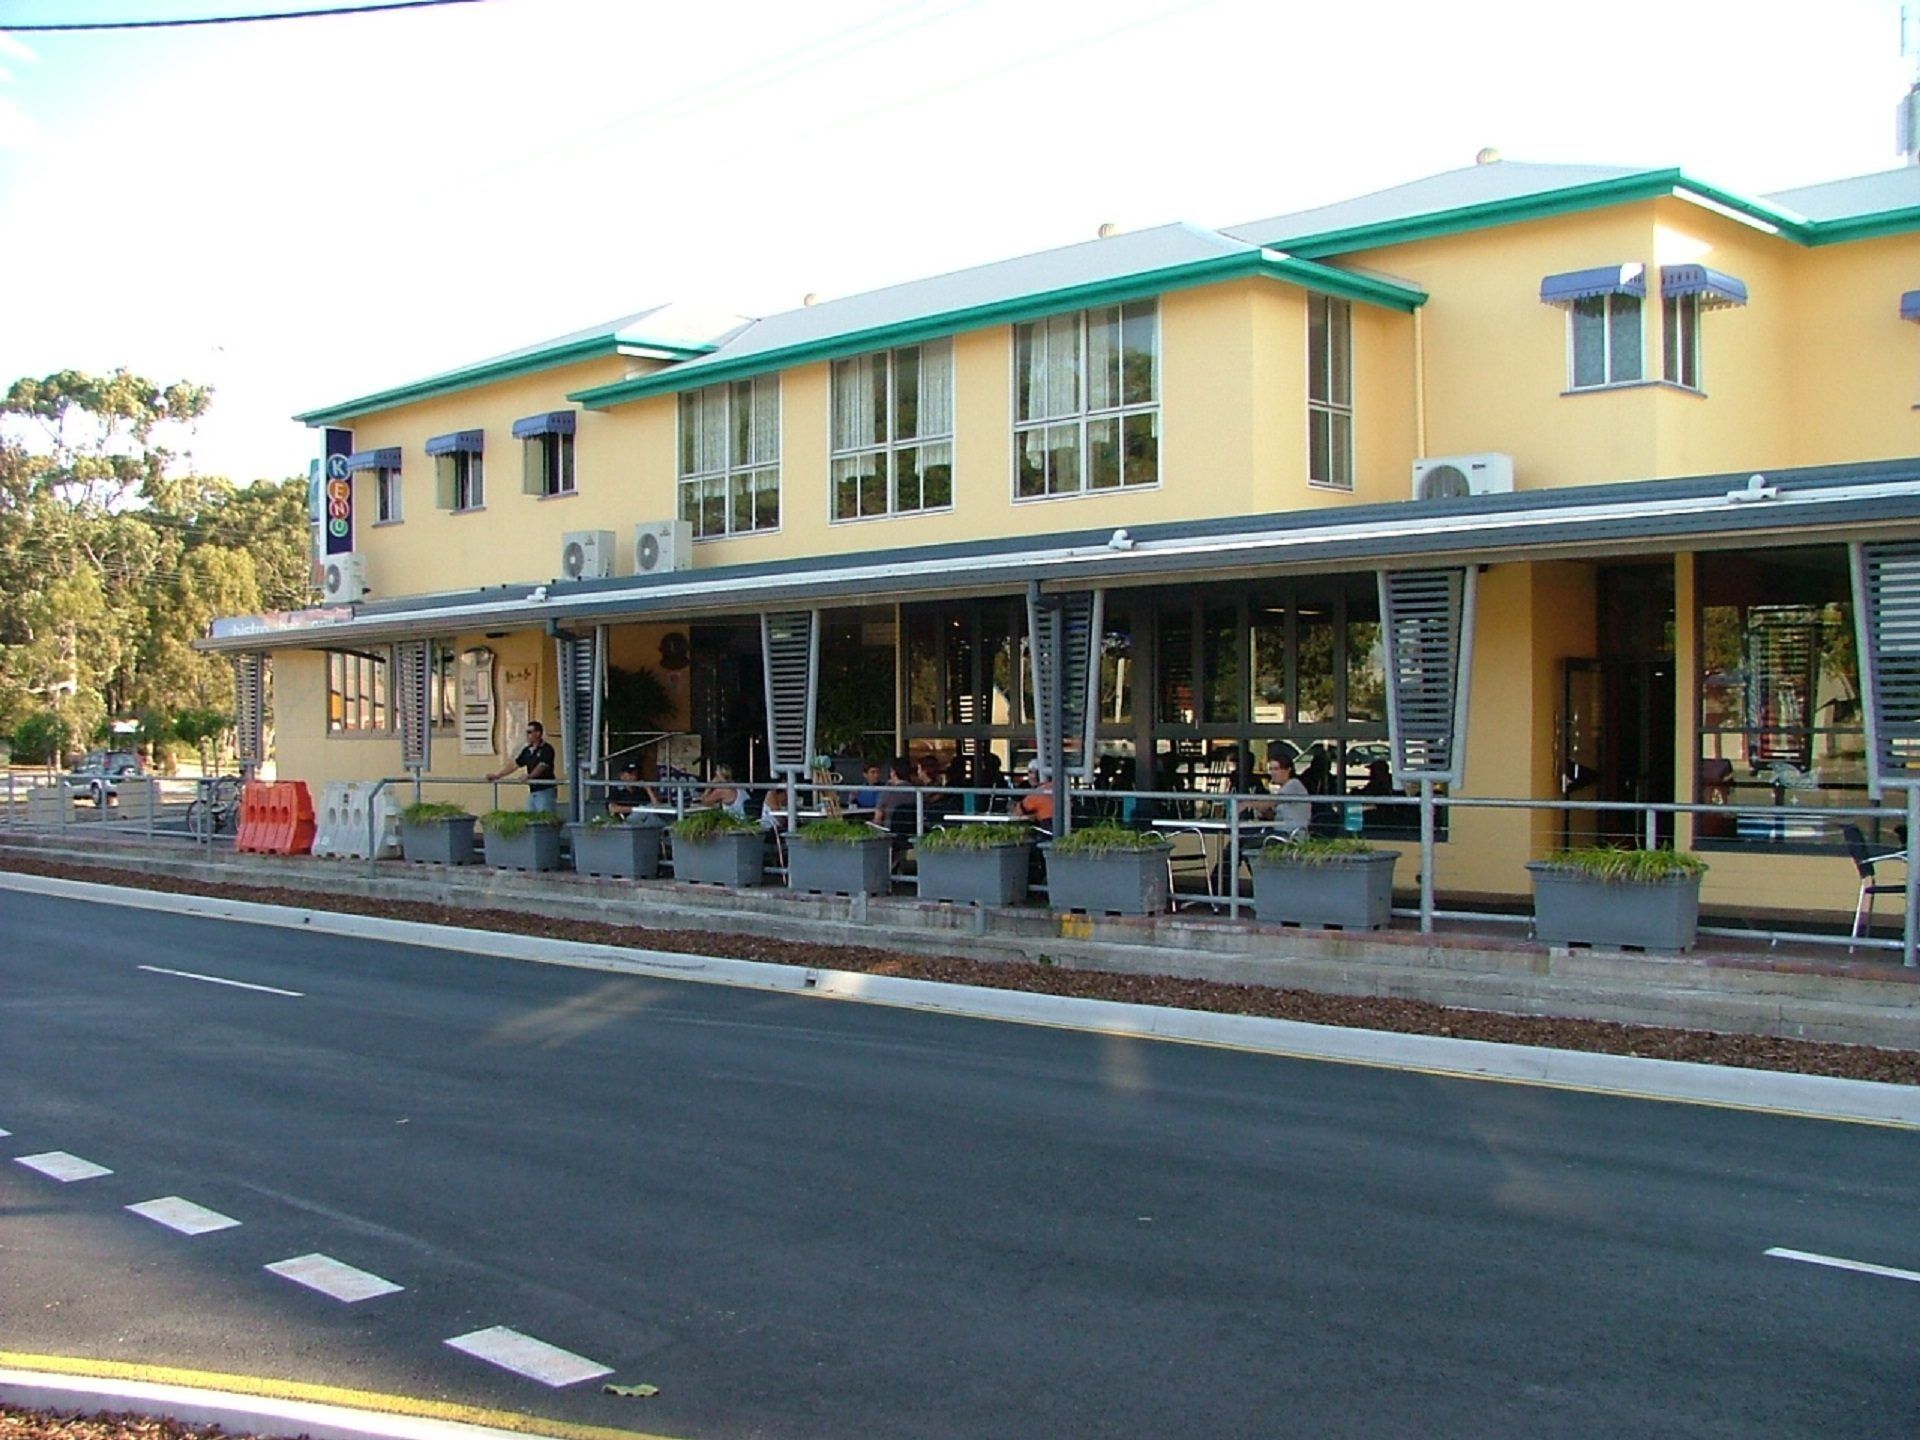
1707 511
1854 198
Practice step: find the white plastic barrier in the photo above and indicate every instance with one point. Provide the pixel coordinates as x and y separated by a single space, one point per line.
49 805
330 821
137 798
340 828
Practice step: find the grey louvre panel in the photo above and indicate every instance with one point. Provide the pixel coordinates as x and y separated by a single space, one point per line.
790 647
1427 616
1886 583
249 707
412 696
581 670
1082 613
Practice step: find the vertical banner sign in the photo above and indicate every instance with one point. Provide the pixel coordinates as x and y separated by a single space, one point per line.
1428 619
413 675
582 664
249 708
337 526
1076 670
790 652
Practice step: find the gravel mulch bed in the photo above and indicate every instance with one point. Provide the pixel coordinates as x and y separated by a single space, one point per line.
1416 1017
19 1424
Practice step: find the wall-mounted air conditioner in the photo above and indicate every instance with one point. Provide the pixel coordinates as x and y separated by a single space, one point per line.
343 578
586 555
662 546
1442 477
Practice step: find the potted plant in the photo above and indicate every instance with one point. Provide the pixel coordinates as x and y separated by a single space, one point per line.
1336 883
1106 868
1646 899
840 857
608 845
718 847
522 839
432 833
984 864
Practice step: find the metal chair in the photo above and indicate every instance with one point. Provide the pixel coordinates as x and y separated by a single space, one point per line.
1863 863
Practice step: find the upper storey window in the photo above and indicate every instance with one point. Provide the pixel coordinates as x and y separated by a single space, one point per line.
1329 392
1087 401
1605 342
1686 293
893 432
458 469
546 459
730 458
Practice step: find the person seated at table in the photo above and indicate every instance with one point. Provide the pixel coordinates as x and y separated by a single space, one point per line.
723 793
895 810
773 811
623 799
930 775
867 797
1290 810
988 776
1036 803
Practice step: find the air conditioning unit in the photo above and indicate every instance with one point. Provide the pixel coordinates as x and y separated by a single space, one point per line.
662 546
586 555
1445 476
343 578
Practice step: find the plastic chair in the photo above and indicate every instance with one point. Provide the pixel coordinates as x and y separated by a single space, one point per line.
1863 863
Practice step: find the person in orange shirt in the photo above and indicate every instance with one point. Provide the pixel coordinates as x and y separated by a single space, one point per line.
1037 804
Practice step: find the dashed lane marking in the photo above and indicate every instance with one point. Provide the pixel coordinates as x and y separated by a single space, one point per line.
332 1277
59 1165
1807 1257
524 1355
217 980
183 1215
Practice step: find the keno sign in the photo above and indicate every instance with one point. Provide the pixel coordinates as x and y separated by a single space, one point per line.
337 494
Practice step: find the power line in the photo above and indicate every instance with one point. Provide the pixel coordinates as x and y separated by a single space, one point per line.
232 19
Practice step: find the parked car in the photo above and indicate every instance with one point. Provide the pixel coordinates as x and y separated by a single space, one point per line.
99 772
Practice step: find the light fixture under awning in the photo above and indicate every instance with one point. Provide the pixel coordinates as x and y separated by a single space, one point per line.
387 459
460 442
1627 279
1711 287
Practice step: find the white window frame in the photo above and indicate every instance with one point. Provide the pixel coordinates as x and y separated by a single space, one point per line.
1332 376
556 463
1680 341
370 697
700 471
387 497
1079 417
1610 363
892 451
460 477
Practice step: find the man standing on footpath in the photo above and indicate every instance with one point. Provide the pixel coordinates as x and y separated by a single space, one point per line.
537 759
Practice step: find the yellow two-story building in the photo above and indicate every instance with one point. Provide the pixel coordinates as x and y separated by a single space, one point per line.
1648 418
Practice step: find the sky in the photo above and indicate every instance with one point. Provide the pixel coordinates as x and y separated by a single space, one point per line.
301 211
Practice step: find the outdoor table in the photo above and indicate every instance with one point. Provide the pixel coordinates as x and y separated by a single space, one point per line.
1219 832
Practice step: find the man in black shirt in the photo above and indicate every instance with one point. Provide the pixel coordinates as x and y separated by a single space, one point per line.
537 759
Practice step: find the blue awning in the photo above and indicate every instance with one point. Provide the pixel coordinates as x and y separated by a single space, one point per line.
558 422
1627 279
1910 305
387 459
1713 288
470 442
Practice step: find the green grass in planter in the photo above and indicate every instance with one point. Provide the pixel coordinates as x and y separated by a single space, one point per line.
509 823
698 825
1105 837
427 811
988 835
606 822
1624 867
1315 850
838 832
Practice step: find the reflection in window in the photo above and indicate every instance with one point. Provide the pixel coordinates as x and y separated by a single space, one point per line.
1222 664
1314 637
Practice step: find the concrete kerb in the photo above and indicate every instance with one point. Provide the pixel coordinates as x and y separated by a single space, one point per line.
1810 1096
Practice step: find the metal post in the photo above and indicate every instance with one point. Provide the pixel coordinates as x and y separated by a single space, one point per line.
1426 857
373 822
1057 716
1233 856
1653 828
1912 933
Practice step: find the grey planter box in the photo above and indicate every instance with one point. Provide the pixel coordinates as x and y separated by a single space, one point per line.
997 876
1574 909
439 842
630 851
1115 882
738 860
1348 894
840 867
535 848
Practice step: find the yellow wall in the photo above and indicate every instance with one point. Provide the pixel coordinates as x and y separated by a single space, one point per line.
1856 363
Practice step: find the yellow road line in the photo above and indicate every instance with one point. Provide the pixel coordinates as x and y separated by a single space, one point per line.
260 1387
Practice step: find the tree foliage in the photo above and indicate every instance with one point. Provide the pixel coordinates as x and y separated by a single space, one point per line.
114 555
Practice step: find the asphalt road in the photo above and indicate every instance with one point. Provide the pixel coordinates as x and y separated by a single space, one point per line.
804 1218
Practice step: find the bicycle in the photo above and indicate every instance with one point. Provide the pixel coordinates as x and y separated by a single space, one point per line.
215 809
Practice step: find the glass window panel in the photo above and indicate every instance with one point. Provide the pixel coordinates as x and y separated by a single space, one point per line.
1313 631
923 666
1063 459
963 703
1224 671
713 431
1029 372
1103 359
1623 339
1317 349
1590 341
999 654
906 480
1141 465
690 505
1340 449
1340 352
1032 456
740 403
846 489
1269 663
873 484
1320 446
1140 363
936 389
713 506
846 393
1116 666
1366 666
1103 453
1063 365
689 432
766 500
936 475
1176 699
906 394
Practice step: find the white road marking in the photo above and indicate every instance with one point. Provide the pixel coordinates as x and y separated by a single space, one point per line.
331 1277
1807 1257
216 980
4 1133
183 1215
524 1355
61 1166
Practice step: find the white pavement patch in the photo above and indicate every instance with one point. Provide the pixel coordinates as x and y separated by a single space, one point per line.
1628 1076
332 1277
59 1165
183 1215
524 1355
1807 1257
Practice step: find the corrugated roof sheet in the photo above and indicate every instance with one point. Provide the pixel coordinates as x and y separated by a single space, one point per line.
1852 198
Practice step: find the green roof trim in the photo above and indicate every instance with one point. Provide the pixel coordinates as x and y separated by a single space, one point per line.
1250 263
507 367
1864 227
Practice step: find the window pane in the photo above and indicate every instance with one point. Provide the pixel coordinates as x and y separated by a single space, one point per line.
1224 670
936 389
1103 453
713 506
1103 359
740 404
1063 365
1366 666
1340 449
1116 666
906 394
846 489
906 479
689 433
936 475
690 505
1317 349
963 705
1624 337
1590 341
1031 447
1063 459
1142 443
1314 664
712 454
1176 667
1269 664
766 500
923 666
1140 366
873 484
1319 446
1029 372
565 442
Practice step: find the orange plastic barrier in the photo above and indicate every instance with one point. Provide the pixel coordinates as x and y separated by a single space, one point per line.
254 810
303 825
276 818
